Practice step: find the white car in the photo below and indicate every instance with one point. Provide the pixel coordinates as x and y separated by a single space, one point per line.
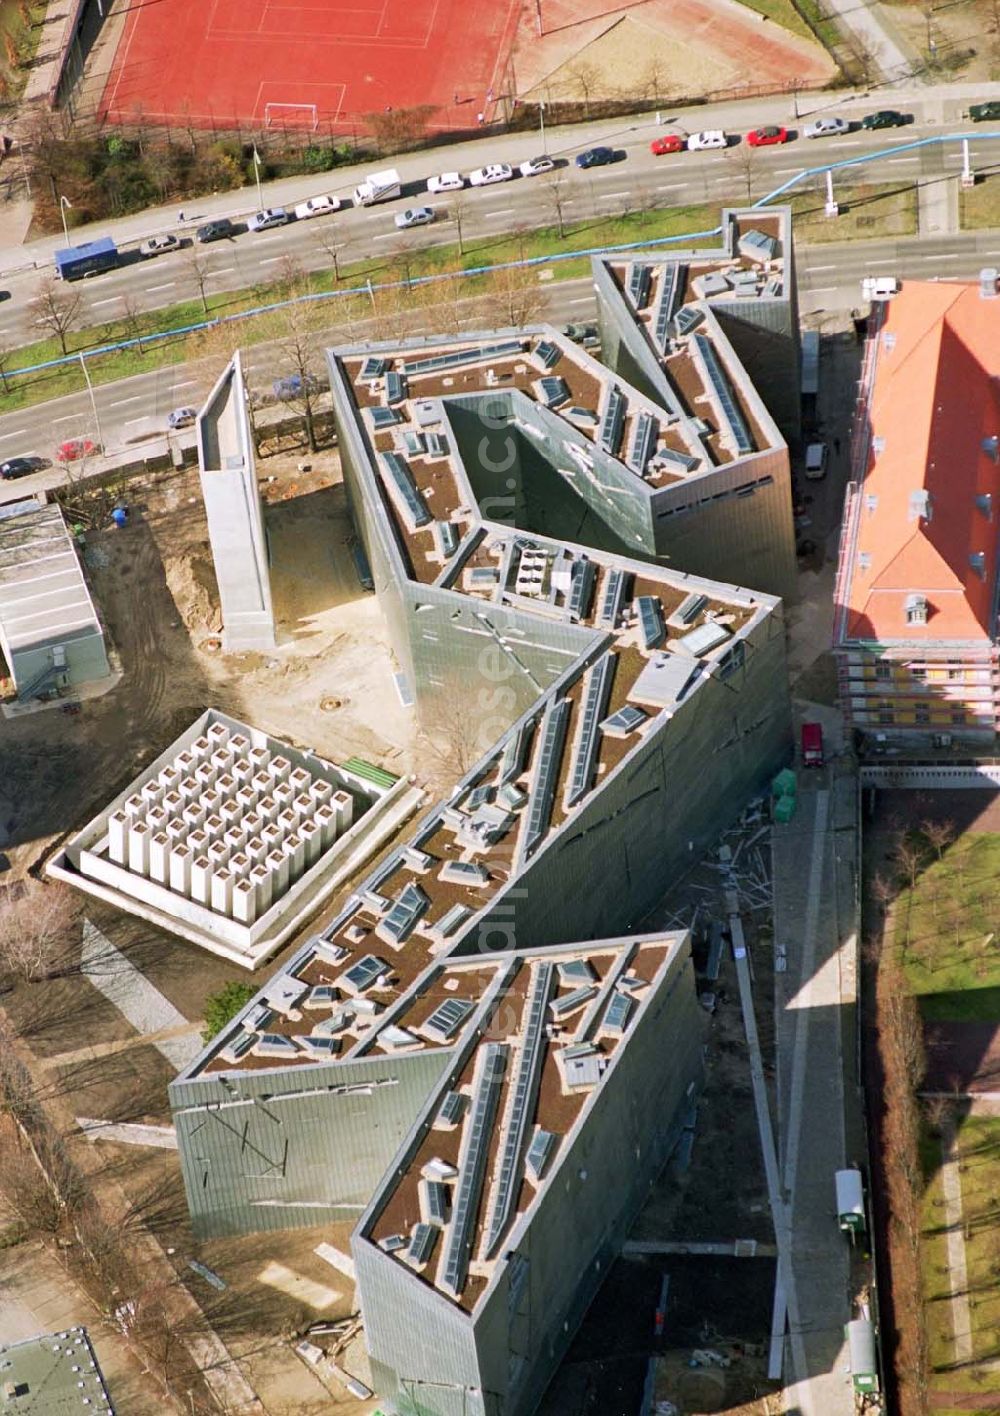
159 245
317 206
270 216
446 182
414 216
535 166
826 128
486 176
710 138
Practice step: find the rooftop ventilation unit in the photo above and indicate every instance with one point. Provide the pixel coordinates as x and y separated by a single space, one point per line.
384 417
611 599
687 319
435 363
625 721
688 610
553 391
650 621
407 492
399 923
395 388
372 368
639 282
538 1154
757 246
668 296
583 577
447 1018
642 442
547 353
610 434
920 506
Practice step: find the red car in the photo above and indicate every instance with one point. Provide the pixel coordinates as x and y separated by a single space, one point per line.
764 137
74 449
670 142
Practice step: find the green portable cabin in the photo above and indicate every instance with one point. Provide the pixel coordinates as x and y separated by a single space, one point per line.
850 1202
861 1345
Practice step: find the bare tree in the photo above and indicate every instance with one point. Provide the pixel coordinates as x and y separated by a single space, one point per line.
133 319
865 56
938 834
458 215
6 355
743 160
334 245
515 297
298 358
555 192
453 740
56 308
584 78
908 859
198 268
654 77
35 929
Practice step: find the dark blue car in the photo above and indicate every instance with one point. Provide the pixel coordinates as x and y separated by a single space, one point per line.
595 157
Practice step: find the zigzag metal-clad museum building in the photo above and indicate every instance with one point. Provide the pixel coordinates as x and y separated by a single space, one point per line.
479 1058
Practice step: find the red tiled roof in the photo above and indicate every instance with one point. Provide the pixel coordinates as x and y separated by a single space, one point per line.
936 398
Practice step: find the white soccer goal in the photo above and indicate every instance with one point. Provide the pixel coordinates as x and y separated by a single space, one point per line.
291 115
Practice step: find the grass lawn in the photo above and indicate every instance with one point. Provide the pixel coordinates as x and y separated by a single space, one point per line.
979 207
867 211
978 1147
948 930
783 12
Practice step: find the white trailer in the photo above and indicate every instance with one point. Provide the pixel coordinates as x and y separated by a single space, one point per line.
378 187
850 1202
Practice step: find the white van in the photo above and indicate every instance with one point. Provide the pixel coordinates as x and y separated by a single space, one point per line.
879 287
816 459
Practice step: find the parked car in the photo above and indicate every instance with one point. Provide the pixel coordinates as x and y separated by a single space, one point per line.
295 385
984 112
74 448
767 136
159 245
670 142
181 418
884 118
21 467
710 138
270 216
218 230
817 456
535 166
595 157
826 128
317 206
486 176
414 216
445 182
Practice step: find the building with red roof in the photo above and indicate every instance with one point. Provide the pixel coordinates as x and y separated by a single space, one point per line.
916 601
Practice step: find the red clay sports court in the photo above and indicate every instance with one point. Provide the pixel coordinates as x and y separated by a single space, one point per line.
232 63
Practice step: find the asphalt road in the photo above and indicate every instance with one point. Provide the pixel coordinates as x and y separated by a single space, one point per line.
638 179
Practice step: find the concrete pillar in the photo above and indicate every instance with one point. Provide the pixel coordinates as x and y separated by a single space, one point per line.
157 818
138 847
185 762
255 850
320 790
288 821
277 864
217 734
222 892
260 877
214 827
253 824
295 849
284 794
259 758
303 806
272 836
247 799
311 834
240 744
326 820
173 802
194 814
211 800
244 901
218 854
299 779
117 846
268 808
242 769
343 805
134 807
177 830
261 783
205 774
199 841
201 880
235 838
279 769
169 776
152 791
201 748
189 788
180 869
221 759
226 784
159 857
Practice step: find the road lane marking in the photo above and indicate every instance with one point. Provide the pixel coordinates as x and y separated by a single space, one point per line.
152 289
19 434
226 270
815 270
69 418
120 402
490 215
109 301
271 260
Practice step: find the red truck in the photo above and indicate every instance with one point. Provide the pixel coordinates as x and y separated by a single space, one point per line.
812 745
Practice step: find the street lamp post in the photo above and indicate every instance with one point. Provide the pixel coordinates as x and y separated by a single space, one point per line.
65 202
541 120
93 403
256 173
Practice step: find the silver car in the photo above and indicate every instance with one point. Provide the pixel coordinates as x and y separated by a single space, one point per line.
414 216
826 128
